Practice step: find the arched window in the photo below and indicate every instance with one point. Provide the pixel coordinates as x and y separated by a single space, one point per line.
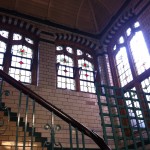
18 55
130 57
75 69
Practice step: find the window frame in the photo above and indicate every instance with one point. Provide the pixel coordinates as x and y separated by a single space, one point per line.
75 57
10 42
137 79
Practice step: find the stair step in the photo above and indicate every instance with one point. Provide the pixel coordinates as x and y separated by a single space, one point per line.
12 143
20 148
7 140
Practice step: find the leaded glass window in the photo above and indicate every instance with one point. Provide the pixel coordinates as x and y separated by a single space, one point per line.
131 55
16 57
86 76
73 69
131 59
123 67
21 63
65 72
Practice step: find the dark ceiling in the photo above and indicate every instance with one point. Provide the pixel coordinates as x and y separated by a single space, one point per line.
89 16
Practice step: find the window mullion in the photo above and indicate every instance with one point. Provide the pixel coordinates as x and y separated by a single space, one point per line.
77 77
132 65
34 64
113 69
8 55
129 55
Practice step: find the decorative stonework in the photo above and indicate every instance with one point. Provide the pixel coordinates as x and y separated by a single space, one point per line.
118 25
76 39
19 23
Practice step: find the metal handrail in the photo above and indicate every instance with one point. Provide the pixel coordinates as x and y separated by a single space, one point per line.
50 107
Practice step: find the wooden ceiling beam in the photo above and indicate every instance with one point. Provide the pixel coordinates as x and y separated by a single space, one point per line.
48 8
77 17
93 15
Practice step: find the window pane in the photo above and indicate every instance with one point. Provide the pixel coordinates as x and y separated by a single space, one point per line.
64 60
2 47
146 88
87 86
134 108
4 33
69 50
88 55
146 85
20 75
79 52
115 47
29 40
65 83
17 36
23 51
121 40
137 24
128 31
59 48
20 62
87 75
1 59
2 51
140 52
85 64
65 71
122 65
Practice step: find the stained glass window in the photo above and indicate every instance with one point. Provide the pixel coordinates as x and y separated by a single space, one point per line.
123 67
19 65
73 69
131 54
131 58
65 72
140 52
86 76
21 60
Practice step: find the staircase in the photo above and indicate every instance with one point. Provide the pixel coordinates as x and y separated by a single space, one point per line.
125 117
21 127
8 133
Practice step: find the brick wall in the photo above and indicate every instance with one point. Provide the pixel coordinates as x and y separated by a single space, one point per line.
79 105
